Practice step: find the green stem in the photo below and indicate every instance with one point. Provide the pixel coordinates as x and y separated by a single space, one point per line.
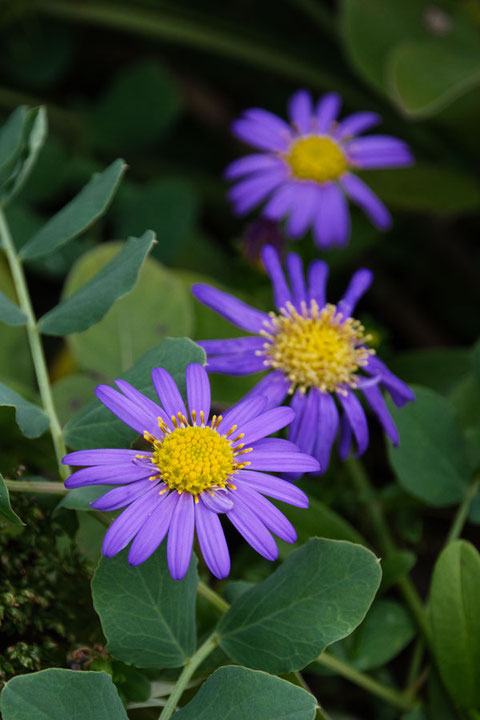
373 508
393 697
30 486
192 664
213 598
462 512
36 348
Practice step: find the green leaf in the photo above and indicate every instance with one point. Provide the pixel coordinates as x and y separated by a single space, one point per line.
95 426
455 622
30 418
35 133
89 304
430 462
10 313
78 215
71 393
147 617
236 693
56 694
80 498
436 368
317 596
5 507
11 141
158 306
395 566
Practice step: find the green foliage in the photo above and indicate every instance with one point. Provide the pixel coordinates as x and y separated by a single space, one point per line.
5 506
147 618
11 313
30 418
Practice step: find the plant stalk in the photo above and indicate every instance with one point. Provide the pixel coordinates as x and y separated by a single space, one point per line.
462 512
30 486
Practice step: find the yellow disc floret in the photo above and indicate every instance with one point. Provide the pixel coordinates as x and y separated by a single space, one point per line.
316 158
321 349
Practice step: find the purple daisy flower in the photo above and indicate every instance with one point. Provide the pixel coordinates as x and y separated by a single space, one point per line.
305 171
196 469
316 352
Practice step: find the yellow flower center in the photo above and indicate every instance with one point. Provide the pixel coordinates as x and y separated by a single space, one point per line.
196 458
319 349
316 158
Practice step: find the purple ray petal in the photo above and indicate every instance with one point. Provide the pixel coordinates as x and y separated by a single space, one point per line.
303 210
212 541
273 386
154 529
307 430
377 403
246 194
378 151
180 536
345 438
168 392
126 525
399 391
244 363
143 402
253 530
298 405
296 462
328 108
198 390
242 412
317 282
218 502
372 206
297 279
238 312
356 123
356 418
280 202
332 221
328 421
266 424
270 516
273 266
126 410
121 496
106 456
232 345
272 124
251 164
359 284
259 136
300 111
273 487
276 445
120 474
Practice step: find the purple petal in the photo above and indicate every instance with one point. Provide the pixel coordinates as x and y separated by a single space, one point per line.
356 418
273 487
270 516
377 403
266 424
238 312
243 363
273 386
345 439
121 496
298 405
273 266
359 284
212 541
251 164
327 110
272 124
144 403
328 421
300 111
303 208
307 429
276 445
259 137
317 282
399 391
372 206
232 345
153 530
242 412
378 151
126 525
253 530
168 392
296 462
332 221
356 123
109 475
198 390
252 191
126 410
180 536
297 279
279 204
217 502
105 456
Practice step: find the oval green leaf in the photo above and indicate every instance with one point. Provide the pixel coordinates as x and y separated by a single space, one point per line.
10 313
30 418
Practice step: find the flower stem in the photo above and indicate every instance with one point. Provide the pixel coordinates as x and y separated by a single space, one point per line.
368 498
192 664
393 697
30 486
36 348
213 598
462 512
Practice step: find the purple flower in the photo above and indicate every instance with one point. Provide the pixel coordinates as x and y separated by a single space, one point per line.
304 171
316 352
196 469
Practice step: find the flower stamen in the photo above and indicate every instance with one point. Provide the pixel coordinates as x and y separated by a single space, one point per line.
316 157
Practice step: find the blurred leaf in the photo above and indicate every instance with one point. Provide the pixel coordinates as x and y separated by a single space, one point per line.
51 172
395 566
137 108
235 693
147 617
436 368
430 462
385 632
15 358
235 588
30 418
10 313
88 305
78 215
80 498
71 393
158 306
439 704
5 507
89 537
319 594
56 694
95 426
11 142
35 133
456 622
131 682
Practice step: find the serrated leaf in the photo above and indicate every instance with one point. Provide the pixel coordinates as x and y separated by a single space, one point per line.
319 595
56 694
10 313
78 215
147 617
430 462
236 693
30 418
5 507
89 304
95 426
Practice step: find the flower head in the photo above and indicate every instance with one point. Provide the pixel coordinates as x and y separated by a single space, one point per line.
196 468
306 168
316 352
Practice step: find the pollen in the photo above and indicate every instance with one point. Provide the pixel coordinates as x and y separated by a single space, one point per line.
195 458
316 348
316 158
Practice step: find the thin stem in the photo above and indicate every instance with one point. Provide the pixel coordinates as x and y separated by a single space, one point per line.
462 512
36 348
365 681
192 664
213 598
30 486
